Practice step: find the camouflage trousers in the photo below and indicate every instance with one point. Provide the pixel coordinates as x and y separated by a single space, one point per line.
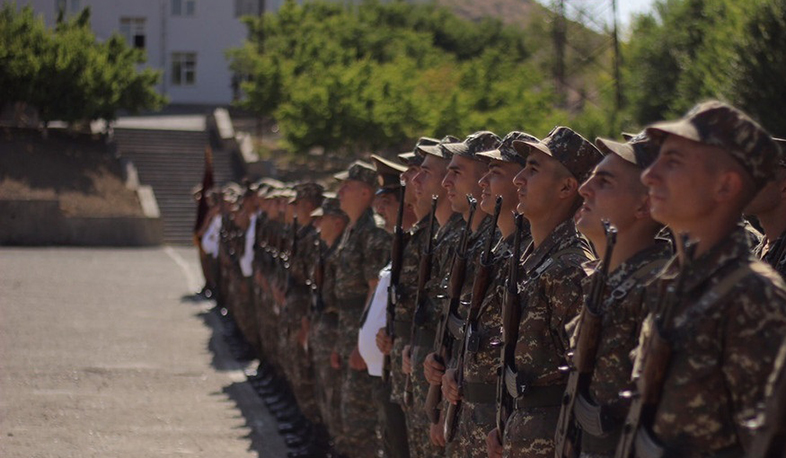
417 422
358 415
327 380
397 378
474 423
297 366
391 420
267 327
530 433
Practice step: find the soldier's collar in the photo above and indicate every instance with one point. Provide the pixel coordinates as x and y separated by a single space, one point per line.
562 235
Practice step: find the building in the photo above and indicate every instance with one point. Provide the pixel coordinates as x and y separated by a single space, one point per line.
186 39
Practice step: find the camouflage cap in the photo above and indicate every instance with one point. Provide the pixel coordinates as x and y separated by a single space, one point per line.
717 124
781 142
475 143
639 150
388 174
438 150
574 152
505 151
359 171
330 206
308 191
413 159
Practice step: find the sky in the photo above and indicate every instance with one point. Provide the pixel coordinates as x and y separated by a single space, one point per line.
626 8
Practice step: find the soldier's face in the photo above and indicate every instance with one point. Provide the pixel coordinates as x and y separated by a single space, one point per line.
498 181
771 196
682 183
613 192
330 227
462 179
386 205
410 197
352 194
538 185
428 181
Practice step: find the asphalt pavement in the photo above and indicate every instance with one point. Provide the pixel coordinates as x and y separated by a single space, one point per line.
102 356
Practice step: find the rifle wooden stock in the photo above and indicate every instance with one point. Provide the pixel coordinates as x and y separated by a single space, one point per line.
396 256
657 358
479 287
565 445
511 317
443 343
424 273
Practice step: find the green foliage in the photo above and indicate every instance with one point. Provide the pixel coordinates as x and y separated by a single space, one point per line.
374 75
66 73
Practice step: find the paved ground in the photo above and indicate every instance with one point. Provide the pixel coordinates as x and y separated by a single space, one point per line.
100 357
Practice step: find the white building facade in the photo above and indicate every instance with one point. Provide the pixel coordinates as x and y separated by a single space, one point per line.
186 39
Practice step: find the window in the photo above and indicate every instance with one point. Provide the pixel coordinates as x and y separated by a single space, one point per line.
246 7
133 29
183 7
183 68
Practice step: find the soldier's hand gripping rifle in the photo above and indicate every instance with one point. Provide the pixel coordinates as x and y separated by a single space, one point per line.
511 316
424 273
583 358
471 338
656 360
396 255
443 342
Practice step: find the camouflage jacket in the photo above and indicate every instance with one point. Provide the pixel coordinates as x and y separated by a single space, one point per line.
363 250
723 348
774 254
301 264
550 295
623 311
408 280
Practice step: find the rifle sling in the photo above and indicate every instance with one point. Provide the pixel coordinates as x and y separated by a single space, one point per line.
711 297
526 397
456 327
480 393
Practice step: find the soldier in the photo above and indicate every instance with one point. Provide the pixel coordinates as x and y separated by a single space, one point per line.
428 183
464 173
330 222
769 206
480 361
362 252
613 193
723 316
550 293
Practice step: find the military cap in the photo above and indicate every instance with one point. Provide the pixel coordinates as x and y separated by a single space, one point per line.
782 145
475 143
412 158
717 124
438 149
388 174
330 206
574 152
639 150
627 136
505 151
359 171
308 191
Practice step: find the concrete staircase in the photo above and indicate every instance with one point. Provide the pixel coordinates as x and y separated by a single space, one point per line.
172 162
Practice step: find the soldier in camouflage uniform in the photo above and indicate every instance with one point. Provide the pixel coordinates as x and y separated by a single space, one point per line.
427 183
729 317
614 192
464 173
769 206
294 315
550 292
478 408
362 252
330 222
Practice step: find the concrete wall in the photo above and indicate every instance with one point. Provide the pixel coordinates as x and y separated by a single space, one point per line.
40 222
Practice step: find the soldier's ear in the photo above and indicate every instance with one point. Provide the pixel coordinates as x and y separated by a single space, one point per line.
569 187
643 208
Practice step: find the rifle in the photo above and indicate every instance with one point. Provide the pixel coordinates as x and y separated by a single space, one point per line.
511 316
424 273
319 278
396 255
479 286
566 445
656 358
443 343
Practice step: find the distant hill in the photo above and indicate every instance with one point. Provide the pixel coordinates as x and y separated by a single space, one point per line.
511 12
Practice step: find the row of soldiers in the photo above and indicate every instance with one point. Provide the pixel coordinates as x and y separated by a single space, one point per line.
538 297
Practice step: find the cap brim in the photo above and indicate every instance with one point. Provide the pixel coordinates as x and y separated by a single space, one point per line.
409 159
393 165
494 154
318 212
431 150
341 176
681 128
381 191
460 149
524 147
623 150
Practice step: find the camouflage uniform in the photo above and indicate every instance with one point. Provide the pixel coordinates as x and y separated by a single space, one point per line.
622 312
774 255
550 296
722 348
362 252
478 408
445 242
